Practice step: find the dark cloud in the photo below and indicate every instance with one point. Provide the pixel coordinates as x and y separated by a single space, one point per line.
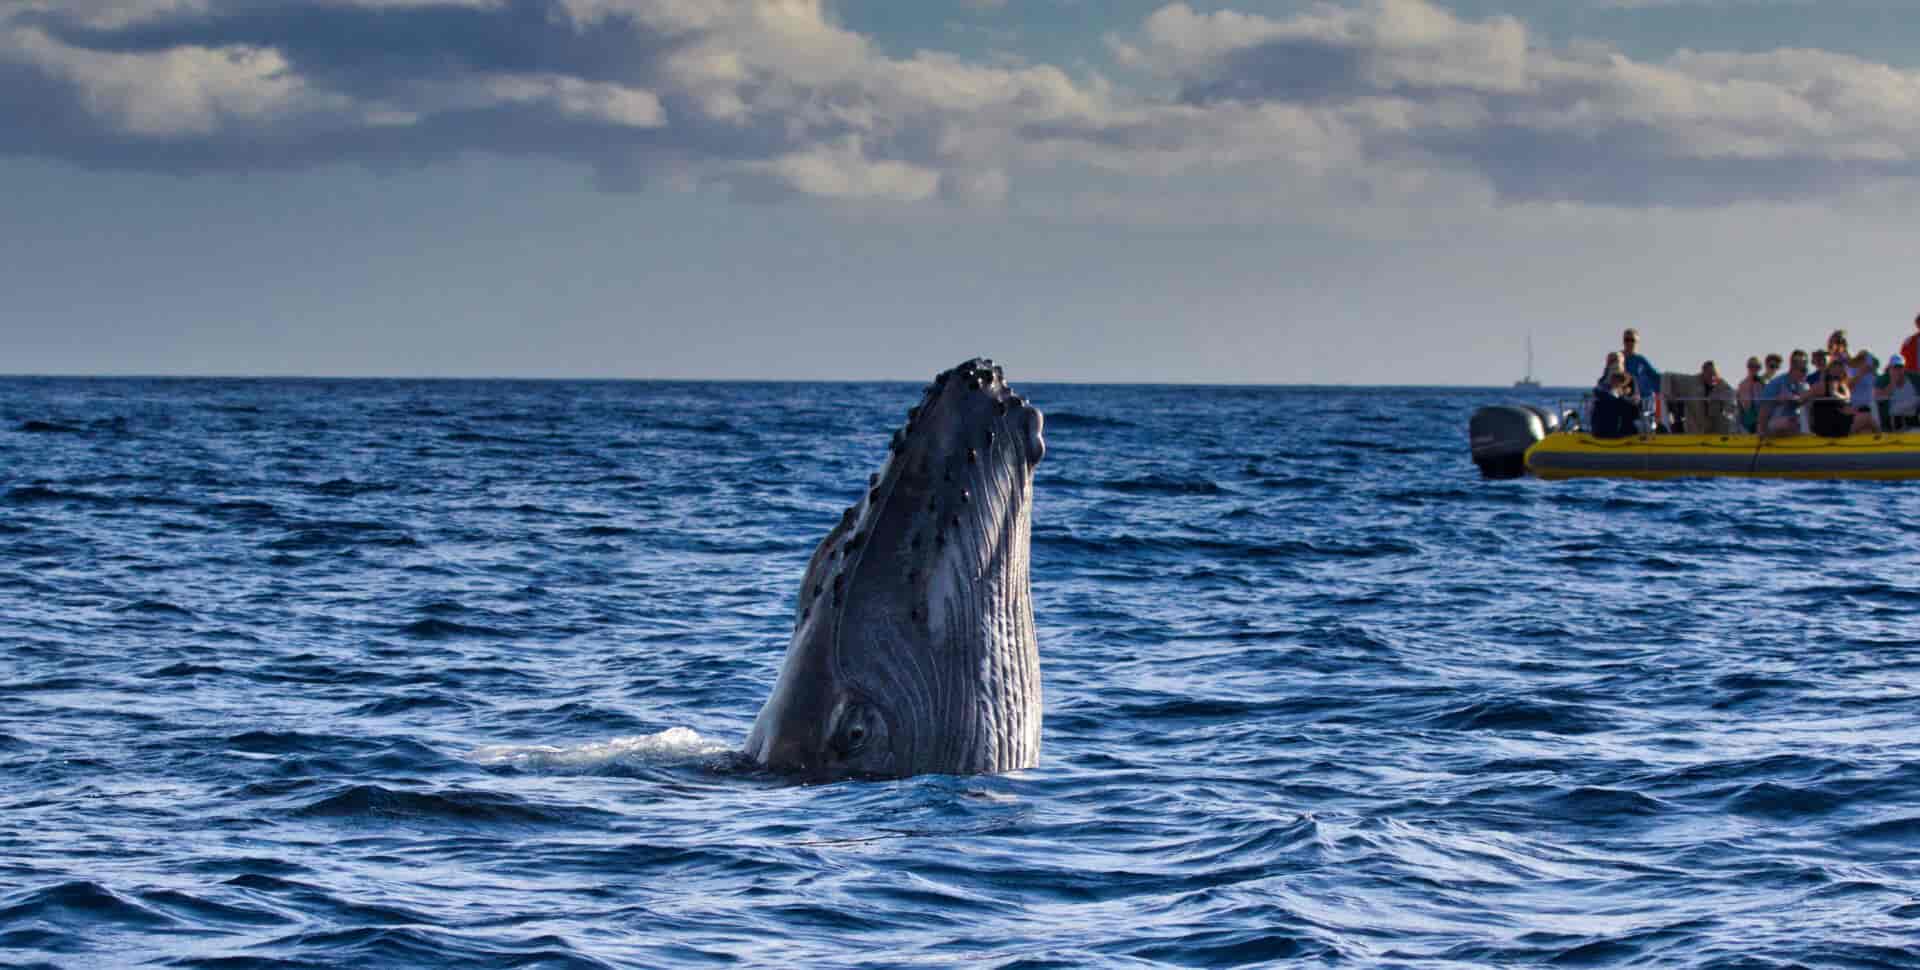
1293 69
1637 166
364 49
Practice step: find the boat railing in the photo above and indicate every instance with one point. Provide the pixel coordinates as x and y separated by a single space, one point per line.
1578 417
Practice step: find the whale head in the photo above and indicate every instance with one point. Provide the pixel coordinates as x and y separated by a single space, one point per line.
913 647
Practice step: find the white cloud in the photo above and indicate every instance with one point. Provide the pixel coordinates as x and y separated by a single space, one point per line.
843 170
573 99
1389 105
180 91
1412 84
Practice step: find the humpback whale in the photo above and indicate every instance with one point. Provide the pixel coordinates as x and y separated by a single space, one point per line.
913 648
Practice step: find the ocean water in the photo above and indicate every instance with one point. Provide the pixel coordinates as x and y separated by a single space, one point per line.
429 674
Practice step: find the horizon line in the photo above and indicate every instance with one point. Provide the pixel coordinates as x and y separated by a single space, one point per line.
499 378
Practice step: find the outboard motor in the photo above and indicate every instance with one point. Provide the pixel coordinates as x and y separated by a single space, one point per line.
1501 435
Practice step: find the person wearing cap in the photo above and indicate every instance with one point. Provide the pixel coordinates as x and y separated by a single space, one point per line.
1910 351
1748 396
1898 397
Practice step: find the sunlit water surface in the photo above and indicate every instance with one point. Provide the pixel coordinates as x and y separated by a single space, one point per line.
338 673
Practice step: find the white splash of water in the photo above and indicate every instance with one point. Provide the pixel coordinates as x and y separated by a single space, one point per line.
671 746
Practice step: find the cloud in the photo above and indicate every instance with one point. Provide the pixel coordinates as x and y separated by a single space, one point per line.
765 96
1413 84
1384 104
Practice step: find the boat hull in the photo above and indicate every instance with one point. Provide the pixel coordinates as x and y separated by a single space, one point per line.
1865 456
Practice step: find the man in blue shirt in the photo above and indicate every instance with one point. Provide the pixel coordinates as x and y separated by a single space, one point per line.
1646 378
1780 400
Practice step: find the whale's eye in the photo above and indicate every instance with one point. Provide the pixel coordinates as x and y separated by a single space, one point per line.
860 732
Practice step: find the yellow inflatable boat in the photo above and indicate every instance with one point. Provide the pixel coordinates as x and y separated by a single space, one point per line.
1576 454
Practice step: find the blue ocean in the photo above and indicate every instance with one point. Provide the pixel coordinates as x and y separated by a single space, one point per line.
338 673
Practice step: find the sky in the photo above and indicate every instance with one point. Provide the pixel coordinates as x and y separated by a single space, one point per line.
1253 191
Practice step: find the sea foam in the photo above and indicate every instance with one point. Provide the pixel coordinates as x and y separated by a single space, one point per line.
672 746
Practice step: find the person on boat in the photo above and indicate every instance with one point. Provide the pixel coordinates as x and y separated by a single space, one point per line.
1910 351
1616 408
1837 346
1782 398
1748 396
1603 387
1717 411
1605 383
1864 379
1772 371
1900 395
1646 377
1828 414
1822 365
1832 414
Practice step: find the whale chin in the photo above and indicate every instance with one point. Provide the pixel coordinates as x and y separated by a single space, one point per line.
913 646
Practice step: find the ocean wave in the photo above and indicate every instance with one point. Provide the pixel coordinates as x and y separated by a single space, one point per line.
1783 802
348 488
434 628
207 913
1605 807
78 904
1904 830
1059 420
309 684
36 494
459 806
154 608
477 438
1161 485
1511 714
333 535
186 670
408 704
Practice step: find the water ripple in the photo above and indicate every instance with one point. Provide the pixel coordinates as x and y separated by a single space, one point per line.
424 674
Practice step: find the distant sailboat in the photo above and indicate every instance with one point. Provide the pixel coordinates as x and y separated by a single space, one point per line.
1527 383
